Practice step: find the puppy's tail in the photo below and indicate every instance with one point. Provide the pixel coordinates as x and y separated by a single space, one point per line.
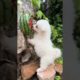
57 52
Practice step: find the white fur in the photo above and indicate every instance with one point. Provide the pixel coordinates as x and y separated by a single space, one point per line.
43 44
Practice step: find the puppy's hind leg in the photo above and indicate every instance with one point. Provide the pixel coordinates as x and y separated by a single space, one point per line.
44 63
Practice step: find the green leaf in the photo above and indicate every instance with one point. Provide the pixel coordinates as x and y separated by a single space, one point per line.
27 17
36 3
45 18
54 32
39 14
24 19
59 39
58 78
59 60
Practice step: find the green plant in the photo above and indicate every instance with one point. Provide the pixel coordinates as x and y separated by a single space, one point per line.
58 78
57 37
23 24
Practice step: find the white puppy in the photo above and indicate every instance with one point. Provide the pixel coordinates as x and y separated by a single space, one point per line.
43 45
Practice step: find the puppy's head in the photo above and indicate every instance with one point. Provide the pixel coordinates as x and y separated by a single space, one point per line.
42 26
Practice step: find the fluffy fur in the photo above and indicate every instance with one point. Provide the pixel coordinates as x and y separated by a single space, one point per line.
43 44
